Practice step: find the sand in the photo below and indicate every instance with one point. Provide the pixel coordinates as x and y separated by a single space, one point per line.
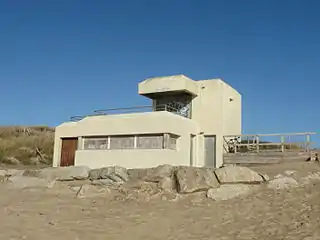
266 214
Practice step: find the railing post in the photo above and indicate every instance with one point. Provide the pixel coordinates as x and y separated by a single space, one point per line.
257 143
282 143
307 142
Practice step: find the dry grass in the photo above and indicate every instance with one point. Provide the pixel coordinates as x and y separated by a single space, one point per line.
18 145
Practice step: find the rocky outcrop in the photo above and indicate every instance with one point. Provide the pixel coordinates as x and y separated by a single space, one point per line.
109 175
158 173
236 174
229 191
22 182
167 184
65 173
193 179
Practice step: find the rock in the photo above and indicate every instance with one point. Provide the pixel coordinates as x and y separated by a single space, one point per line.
65 173
278 176
115 173
289 172
12 160
282 183
35 161
169 196
3 173
166 184
158 173
14 172
89 191
236 174
137 173
3 176
31 173
229 191
102 182
94 174
22 182
310 178
265 177
193 179
139 190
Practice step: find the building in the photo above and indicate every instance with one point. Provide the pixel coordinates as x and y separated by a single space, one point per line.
185 126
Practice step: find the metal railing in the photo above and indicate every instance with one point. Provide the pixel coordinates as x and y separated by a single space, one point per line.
101 112
258 143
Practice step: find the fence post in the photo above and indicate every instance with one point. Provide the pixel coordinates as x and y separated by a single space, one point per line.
282 143
308 142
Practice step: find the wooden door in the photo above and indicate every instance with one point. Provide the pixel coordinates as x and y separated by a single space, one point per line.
68 150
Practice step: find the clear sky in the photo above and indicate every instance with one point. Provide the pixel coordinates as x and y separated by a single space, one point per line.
69 57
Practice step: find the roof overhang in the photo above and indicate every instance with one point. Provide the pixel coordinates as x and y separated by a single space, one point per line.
168 84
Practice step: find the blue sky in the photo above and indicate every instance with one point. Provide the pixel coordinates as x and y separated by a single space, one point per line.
69 57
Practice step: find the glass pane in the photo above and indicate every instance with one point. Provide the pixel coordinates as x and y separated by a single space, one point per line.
121 142
150 142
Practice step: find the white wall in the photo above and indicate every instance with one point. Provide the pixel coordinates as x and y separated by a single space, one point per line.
138 123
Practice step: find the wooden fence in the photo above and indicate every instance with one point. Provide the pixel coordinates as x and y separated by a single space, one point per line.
266 148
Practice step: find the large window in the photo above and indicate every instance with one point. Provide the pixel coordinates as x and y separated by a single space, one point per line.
145 141
121 142
150 141
96 143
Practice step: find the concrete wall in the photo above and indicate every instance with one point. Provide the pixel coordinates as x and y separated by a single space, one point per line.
167 84
215 114
232 111
212 114
138 123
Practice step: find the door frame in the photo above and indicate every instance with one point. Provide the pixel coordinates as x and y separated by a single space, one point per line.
214 151
193 150
63 162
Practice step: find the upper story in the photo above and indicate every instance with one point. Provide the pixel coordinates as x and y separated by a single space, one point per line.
211 104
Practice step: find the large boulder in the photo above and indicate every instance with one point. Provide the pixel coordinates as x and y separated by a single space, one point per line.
167 184
136 174
65 173
22 182
158 173
229 191
193 179
111 174
236 174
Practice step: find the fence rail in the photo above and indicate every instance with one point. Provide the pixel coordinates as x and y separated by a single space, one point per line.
148 108
266 148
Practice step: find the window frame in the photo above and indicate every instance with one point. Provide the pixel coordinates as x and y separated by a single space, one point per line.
166 138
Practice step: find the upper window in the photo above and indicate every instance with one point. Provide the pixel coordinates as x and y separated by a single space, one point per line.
179 104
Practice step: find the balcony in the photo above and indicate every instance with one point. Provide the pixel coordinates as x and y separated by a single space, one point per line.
159 108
